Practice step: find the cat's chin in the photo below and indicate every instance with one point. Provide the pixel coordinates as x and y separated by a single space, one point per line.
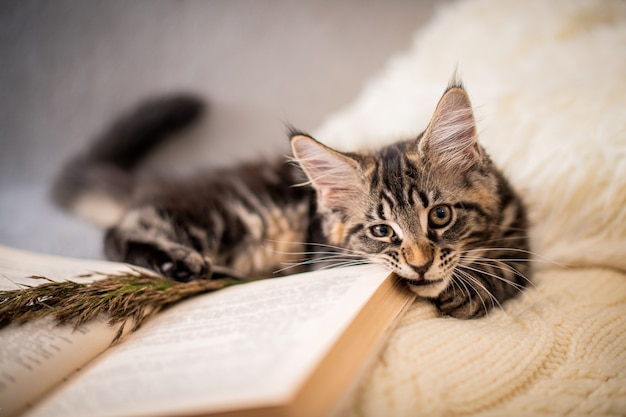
425 287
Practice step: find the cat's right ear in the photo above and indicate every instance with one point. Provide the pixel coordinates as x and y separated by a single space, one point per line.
450 141
336 177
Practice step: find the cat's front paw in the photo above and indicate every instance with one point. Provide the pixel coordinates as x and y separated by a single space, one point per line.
462 304
172 260
182 264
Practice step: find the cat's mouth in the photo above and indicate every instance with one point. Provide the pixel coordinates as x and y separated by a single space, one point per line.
422 282
429 288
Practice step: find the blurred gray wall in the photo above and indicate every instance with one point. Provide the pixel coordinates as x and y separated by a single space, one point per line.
69 66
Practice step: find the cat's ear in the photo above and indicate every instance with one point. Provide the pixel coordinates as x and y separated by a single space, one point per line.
335 176
450 140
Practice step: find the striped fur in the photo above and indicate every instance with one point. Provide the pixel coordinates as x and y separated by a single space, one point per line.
435 210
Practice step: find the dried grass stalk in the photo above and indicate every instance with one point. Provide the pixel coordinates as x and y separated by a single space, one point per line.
134 295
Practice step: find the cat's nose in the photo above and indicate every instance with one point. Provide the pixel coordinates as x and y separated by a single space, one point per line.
419 256
421 269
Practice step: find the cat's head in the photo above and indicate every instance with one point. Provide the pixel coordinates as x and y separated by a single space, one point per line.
415 206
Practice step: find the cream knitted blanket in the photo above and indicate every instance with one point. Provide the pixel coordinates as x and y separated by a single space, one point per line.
548 83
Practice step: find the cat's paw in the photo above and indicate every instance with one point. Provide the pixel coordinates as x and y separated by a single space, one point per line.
464 305
172 260
182 264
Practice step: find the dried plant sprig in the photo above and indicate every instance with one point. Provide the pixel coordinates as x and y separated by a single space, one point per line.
131 295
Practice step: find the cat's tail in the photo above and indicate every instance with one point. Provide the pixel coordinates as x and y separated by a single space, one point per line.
98 183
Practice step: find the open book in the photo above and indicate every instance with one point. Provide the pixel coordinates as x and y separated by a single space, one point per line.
278 347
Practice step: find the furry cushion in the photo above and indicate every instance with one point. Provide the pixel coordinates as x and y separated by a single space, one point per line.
548 84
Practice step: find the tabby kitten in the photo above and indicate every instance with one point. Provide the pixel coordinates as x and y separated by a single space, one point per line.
433 209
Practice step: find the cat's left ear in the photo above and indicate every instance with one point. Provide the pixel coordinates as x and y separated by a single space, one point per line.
335 176
450 140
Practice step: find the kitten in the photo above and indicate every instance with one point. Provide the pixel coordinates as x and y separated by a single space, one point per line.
433 209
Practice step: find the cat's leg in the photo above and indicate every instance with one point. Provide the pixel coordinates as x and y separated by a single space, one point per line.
464 300
146 238
483 285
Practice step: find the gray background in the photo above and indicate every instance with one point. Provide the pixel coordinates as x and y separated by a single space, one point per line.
68 67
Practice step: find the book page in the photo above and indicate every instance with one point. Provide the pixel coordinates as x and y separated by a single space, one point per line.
247 345
37 356
17 266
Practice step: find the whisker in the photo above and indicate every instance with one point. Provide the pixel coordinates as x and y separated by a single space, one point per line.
504 266
519 229
498 263
501 260
337 260
506 281
455 284
344 264
499 239
505 259
342 255
305 262
505 249
482 300
336 254
323 245
315 253
494 300
462 281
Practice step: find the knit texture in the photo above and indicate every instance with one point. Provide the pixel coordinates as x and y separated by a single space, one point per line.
548 85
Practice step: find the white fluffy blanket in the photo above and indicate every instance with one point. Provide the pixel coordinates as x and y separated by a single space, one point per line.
548 83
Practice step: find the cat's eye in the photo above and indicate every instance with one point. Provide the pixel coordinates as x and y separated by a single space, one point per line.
440 216
382 230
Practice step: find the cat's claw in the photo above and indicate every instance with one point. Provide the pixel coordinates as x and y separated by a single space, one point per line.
179 271
181 264
186 270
